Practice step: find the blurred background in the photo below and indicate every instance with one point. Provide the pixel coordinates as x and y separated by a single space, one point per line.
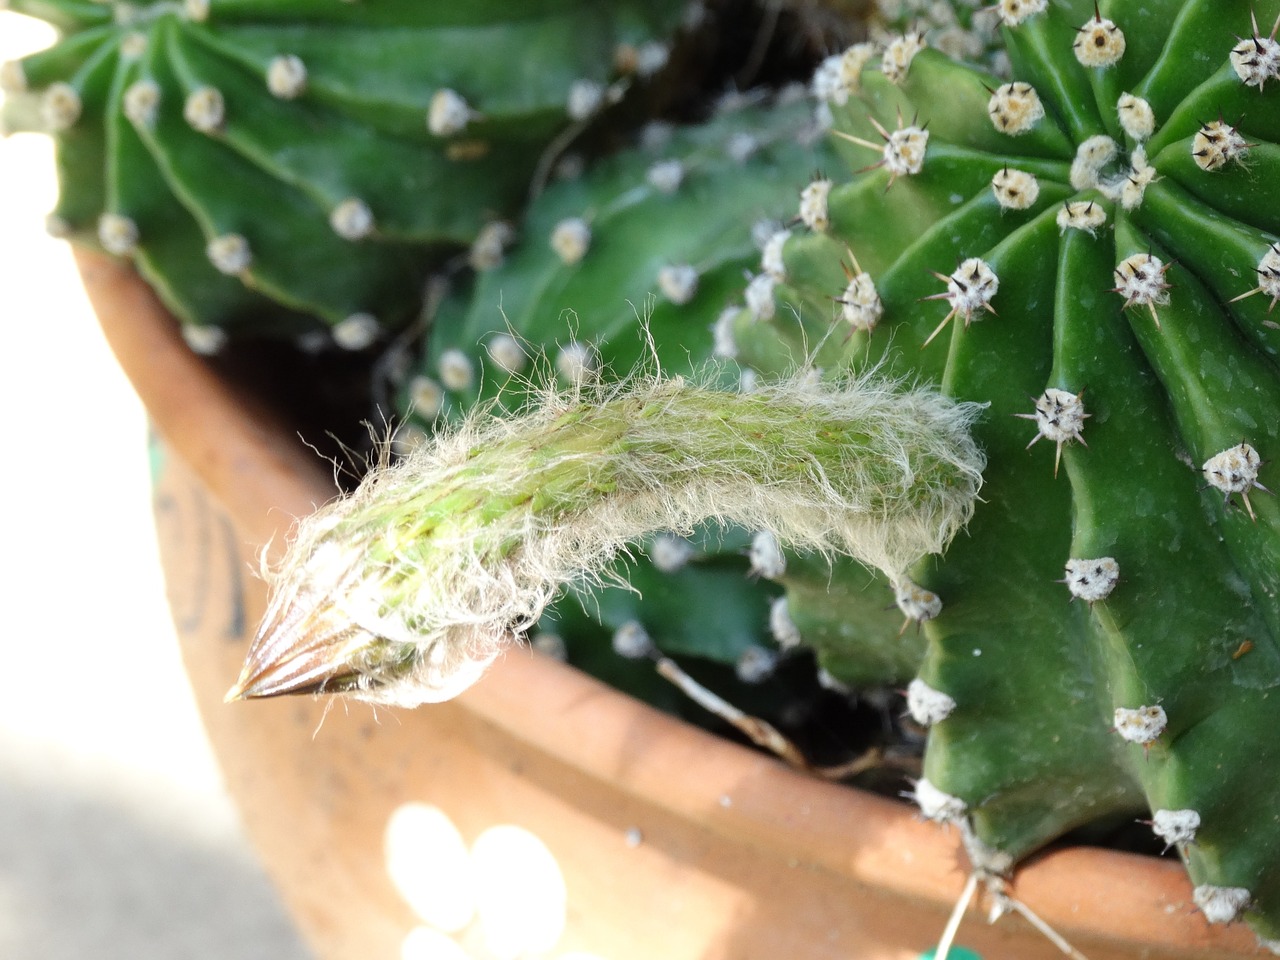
117 839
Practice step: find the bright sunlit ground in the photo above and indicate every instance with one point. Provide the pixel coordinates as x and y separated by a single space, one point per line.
116 838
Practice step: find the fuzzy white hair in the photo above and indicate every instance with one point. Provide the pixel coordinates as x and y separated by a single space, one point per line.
405 590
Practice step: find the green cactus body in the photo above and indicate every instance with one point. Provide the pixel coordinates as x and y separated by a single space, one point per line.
1113 300
317 157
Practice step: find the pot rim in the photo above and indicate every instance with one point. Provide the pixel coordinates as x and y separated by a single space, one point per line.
264 477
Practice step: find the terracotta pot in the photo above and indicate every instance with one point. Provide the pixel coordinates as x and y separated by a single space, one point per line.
669 842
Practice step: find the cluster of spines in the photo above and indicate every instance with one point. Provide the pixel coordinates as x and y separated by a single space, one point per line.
1134 185
340 177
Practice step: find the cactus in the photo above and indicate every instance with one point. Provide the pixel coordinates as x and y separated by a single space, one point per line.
1091 249
291 168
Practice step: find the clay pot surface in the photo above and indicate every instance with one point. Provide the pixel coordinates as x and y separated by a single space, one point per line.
668 842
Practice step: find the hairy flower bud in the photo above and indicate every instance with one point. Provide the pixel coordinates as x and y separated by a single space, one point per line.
404 591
